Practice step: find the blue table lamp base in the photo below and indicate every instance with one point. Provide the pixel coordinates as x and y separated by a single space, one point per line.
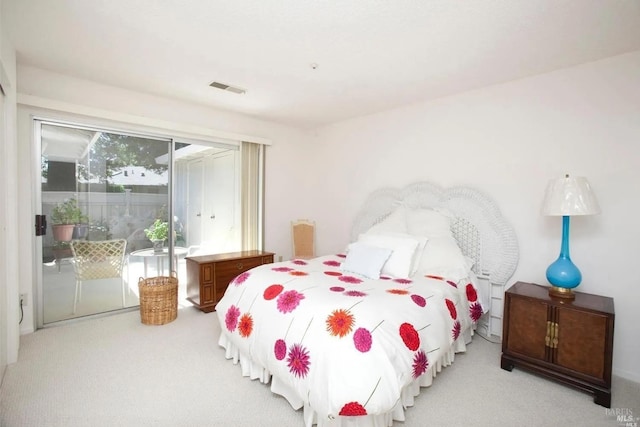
563 274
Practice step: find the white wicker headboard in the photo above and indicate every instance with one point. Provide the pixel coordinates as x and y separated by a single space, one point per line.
483 234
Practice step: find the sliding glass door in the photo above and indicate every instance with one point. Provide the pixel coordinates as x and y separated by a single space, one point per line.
100 191
135 206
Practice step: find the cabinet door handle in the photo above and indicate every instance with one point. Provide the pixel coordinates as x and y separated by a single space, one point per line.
555 335
547 338
240 266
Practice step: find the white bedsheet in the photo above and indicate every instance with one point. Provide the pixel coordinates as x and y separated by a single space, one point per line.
349 350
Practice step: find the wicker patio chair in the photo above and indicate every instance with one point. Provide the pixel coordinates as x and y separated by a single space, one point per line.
94 260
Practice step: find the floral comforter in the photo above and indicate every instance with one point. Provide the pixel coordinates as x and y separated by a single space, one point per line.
344 345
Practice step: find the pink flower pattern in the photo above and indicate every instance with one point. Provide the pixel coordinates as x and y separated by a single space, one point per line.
475 311
355 294
289 300
455 332
362 340
298 360
350 279
231 318
280 349
241 278
419 300
420 364
323 279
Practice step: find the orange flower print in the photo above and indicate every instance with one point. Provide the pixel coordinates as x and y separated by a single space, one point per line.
398 291
340 323
298 273
245 326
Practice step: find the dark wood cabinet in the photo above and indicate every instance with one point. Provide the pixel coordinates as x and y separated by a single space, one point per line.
570 341
209 275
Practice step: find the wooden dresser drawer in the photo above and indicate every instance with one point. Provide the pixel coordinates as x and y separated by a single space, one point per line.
231 269
208 276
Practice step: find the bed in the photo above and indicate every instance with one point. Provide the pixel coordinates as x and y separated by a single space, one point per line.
352 337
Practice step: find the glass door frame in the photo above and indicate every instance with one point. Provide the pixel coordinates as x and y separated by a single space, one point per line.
38 124
132 129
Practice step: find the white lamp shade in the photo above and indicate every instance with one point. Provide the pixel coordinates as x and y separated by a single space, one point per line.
569 196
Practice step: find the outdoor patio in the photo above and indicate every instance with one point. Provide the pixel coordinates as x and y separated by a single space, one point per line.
102 295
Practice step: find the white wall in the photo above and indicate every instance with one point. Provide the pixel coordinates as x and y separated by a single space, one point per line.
67 94
509 140
9 307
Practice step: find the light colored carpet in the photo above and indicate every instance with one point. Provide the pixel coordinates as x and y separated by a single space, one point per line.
116 371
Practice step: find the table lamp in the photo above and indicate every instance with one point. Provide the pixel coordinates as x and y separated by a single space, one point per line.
566 197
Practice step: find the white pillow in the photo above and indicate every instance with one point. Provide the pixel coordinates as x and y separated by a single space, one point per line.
442 257
427 222
395 222
401 262
365 260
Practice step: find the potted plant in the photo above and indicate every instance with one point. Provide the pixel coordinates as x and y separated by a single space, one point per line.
99 230
157 233
64 217
62 250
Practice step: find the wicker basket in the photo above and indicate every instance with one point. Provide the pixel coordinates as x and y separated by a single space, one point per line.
158 299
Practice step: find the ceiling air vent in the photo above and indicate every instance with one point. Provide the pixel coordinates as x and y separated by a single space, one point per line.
226 87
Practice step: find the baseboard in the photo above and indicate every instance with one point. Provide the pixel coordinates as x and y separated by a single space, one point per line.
627 375
25 331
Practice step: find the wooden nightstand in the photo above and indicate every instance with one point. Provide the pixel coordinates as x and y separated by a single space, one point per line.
209 275
570 341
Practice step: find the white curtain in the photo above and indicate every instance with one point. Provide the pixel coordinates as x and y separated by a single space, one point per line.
252 195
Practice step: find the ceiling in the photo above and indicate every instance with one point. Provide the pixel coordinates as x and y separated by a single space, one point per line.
369 55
